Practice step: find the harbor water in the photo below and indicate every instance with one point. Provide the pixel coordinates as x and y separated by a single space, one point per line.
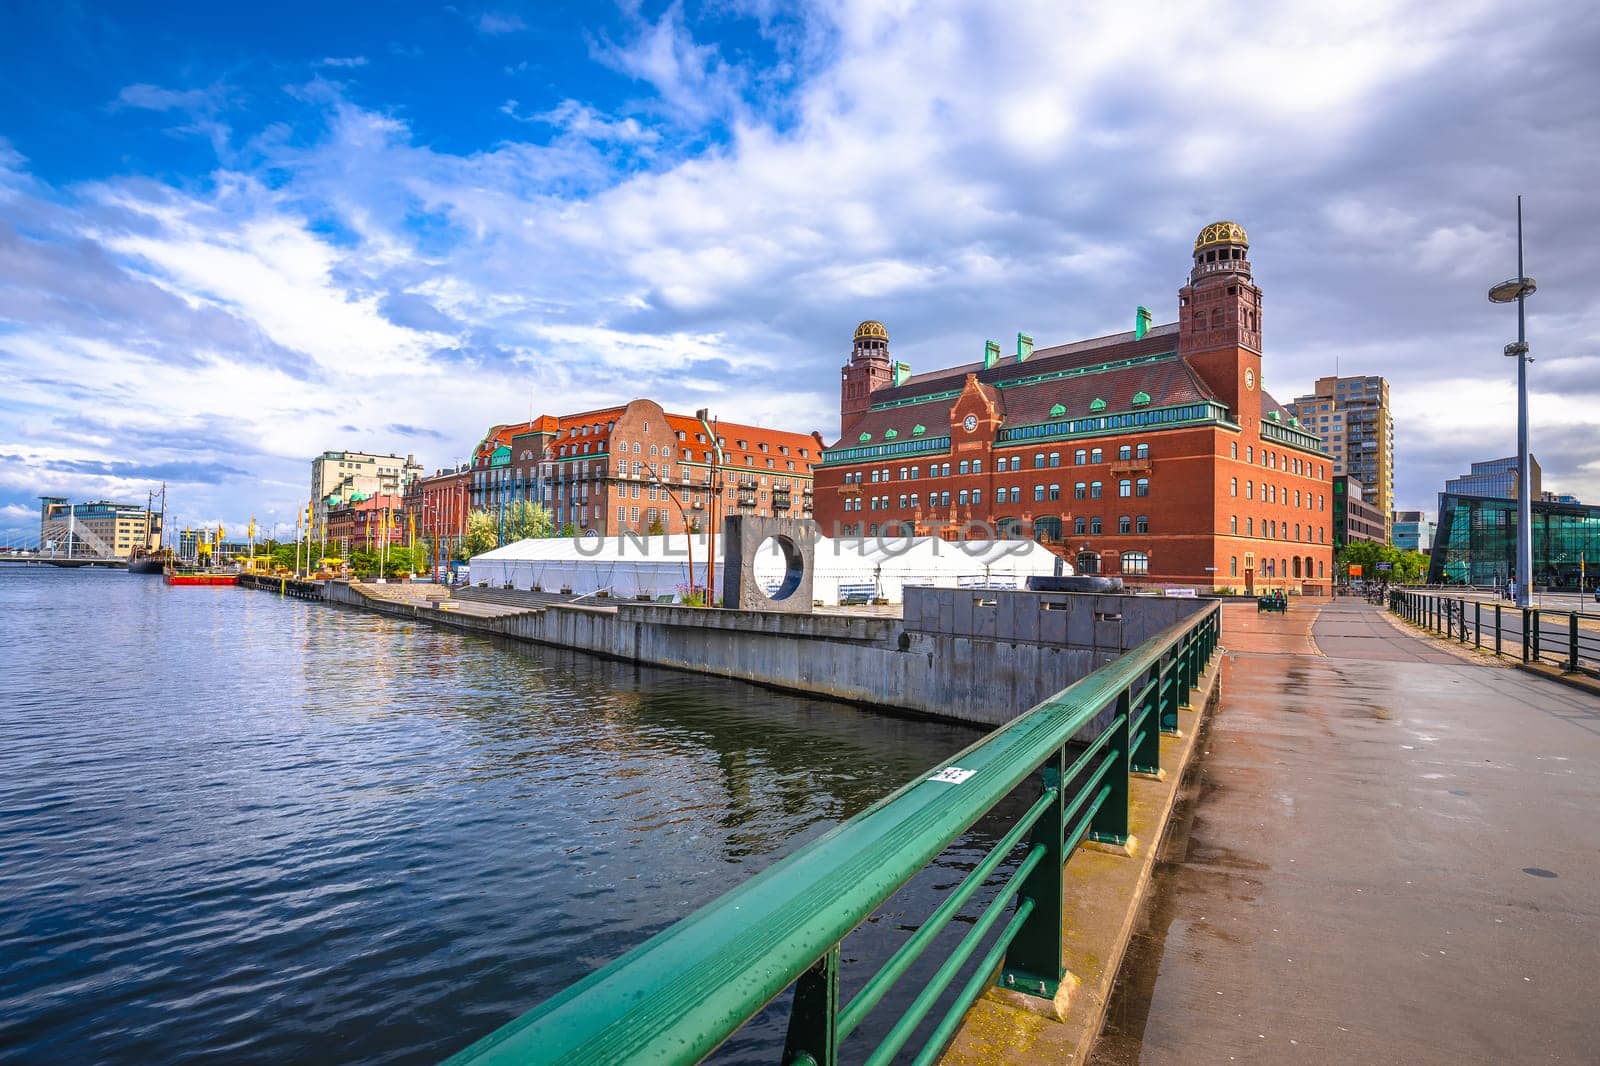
240 828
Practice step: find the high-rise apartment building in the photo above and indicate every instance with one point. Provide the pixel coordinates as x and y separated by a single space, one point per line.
1352 416
337 476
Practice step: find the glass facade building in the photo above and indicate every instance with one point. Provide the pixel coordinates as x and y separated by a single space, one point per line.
1475 543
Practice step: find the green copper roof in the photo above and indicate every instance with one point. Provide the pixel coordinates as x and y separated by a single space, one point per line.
1097 405
890 434
864 437
918 430
1057 410
1140 399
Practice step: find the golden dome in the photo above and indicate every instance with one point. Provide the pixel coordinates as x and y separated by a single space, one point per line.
1221 233
872 330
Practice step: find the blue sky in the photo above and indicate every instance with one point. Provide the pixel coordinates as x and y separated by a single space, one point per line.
231 239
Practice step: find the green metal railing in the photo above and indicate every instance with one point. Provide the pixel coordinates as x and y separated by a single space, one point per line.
678 996
1531 634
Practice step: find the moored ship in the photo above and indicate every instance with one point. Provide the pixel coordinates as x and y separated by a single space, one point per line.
155 562
176 576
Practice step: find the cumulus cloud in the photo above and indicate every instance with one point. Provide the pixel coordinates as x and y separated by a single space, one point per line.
960 172
496 23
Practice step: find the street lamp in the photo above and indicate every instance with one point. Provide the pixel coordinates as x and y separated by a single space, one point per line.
709 424
1517 290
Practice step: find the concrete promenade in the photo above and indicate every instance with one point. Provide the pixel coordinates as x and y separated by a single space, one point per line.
1390 853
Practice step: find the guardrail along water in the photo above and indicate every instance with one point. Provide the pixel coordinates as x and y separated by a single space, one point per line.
680 995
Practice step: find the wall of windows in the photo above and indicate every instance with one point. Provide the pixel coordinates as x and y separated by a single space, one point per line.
1475 543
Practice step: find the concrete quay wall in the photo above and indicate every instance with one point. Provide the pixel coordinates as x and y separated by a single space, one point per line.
980 657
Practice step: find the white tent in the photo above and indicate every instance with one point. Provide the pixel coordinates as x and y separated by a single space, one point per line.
846 569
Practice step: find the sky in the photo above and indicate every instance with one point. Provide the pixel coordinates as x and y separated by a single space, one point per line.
233 236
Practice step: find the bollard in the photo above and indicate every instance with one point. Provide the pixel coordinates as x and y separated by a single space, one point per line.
1572 643
1497 629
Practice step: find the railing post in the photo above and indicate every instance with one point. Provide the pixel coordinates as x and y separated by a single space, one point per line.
1110 823
1167 696
1180 665
1461 617
1536 634
1572 642
1034 963
1477 623
813 1038
1147 758
1526 636
1497 633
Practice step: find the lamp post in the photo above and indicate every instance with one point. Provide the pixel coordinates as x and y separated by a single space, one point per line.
709 424
1517 290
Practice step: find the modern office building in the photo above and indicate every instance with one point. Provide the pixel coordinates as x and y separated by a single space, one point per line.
1476 543
1411 531
1492 477
1154 454
336 477
1354 518
1352 416
99 527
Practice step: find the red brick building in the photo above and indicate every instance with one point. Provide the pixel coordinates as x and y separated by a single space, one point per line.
439 504
637 467
361 523
1156 454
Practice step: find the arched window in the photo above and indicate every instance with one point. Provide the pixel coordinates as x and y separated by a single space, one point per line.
1047 528
1009 527
1088 563
1125 524
1080 457
1142 524
1078 526
1094 525
1297 566
1135 562
1143 451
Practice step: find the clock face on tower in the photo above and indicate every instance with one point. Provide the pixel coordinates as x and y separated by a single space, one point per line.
969 423
1249 378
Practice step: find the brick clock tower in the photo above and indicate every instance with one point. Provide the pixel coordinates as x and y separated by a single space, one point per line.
1219 319
869 370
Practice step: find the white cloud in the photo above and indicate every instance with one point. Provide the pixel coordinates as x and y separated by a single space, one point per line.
496 23
958 171
347 62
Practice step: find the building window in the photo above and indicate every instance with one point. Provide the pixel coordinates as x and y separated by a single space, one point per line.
1038 494
1135 563
1249 490
1016 462
1249 527
1125 453
1016 494
1141 487
1078 525
961 497
1124 524
1080 457
1141 524
1233 453
1125 487
1233 486
1142 451
1094 525
1233 523
913 500
1249 453
1095 491
1055 458
1055 492
1088 563
1233 566
977 497
977 466
1080 491
1038 460
965 466
1097 456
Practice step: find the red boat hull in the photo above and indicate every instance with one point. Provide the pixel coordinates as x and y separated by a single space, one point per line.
202 579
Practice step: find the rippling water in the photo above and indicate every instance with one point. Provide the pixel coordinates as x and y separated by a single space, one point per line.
234 827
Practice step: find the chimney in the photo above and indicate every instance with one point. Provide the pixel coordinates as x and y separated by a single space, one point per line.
991 353
1024 347
1141 322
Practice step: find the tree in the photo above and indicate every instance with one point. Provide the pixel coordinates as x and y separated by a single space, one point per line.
1405 567
568 530
656 528
523 519
483 533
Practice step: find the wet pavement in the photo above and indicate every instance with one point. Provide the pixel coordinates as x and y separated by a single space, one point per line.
1389 853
